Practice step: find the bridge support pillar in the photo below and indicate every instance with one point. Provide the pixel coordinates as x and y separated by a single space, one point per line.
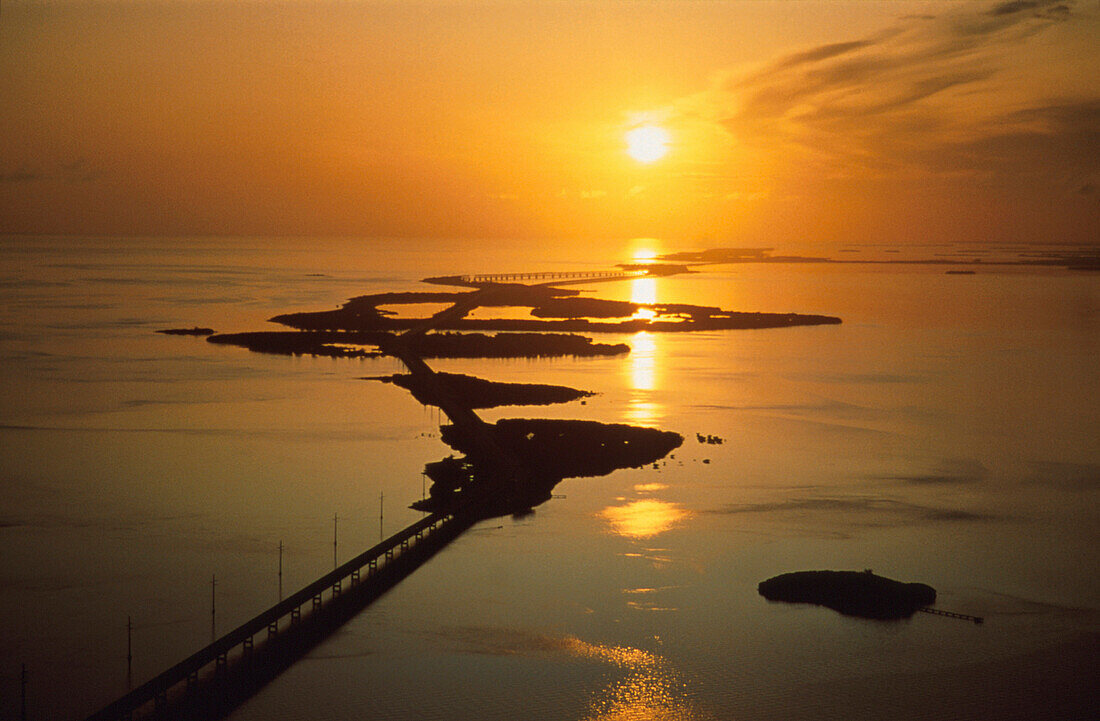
296 614
317 601
272 629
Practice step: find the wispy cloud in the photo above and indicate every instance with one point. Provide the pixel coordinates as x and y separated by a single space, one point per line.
931 94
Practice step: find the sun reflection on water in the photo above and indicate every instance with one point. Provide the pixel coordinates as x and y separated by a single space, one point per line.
641 408
643 362
650 690
643 290
642 519
643 368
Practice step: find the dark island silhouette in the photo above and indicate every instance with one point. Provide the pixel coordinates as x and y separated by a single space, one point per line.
368 325
479 393
187 331
852 593
553 310
350 344
548 450
1071 258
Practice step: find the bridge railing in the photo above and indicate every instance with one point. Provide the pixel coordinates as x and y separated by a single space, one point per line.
546 275
186 671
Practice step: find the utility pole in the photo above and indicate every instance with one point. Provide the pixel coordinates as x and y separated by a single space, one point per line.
23 694
334 519
381 497
213 615
129 653
280 570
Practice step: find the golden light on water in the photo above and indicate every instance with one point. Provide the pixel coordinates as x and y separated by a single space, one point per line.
651 689
643 519
643 362
644 290
643 368
643 379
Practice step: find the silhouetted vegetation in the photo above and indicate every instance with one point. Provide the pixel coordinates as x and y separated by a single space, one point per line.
584 308
511 345
567 313
349 344
479 393
573 448
548 450
657 269
850 592
329 344
739 255
187 331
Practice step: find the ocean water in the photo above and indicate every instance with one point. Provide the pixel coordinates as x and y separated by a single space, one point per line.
945 433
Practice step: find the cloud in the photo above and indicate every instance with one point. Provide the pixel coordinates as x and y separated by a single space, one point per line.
929 95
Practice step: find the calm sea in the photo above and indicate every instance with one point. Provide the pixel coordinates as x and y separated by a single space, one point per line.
945 433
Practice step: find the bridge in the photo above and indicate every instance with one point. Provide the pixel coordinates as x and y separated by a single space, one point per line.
552 276
951 614
216 679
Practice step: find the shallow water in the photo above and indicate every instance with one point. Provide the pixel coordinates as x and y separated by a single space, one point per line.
944 433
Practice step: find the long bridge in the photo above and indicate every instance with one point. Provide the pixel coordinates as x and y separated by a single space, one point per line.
216 679
551 275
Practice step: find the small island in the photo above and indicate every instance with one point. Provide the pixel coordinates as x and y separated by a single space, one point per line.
474 392
187 331
852 593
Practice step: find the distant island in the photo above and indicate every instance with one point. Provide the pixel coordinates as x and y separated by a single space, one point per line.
370 325
187 331
475 392
852 593
552 310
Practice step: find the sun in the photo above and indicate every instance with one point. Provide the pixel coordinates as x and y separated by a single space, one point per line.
647 143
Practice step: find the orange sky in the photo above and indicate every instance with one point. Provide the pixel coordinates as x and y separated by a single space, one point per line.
855 121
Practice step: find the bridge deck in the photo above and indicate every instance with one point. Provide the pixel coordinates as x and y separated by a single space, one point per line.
551 275
289 611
